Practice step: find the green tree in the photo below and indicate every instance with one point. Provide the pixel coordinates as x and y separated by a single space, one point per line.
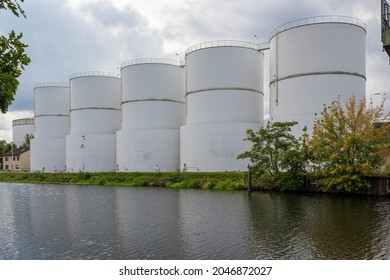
277 157
27 139
12 58
347 146
3 147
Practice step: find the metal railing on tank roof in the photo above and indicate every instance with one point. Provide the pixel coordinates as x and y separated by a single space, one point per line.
94 74
51 84
25 121
151 61
318 20
222 43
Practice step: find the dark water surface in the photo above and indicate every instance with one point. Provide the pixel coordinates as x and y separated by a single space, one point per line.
94 222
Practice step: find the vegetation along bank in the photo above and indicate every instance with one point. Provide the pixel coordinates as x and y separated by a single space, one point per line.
209 180
227 181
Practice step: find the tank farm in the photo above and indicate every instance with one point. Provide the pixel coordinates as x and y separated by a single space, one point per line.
192 115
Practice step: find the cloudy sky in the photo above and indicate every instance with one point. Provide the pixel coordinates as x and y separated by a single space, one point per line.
68 36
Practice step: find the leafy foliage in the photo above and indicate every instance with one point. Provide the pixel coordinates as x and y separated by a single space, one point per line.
4 147
277 156
27 140
346 145
13 6
12 59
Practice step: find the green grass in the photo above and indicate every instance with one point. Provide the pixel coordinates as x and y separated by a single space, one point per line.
200 180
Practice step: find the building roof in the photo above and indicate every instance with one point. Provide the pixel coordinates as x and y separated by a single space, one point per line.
16 152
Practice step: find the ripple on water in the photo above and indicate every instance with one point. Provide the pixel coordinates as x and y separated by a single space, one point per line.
90 222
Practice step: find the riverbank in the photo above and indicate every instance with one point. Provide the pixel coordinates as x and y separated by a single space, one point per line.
200 180
228 181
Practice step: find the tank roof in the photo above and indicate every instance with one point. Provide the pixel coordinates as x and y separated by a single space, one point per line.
318 20
222 43
24 121
151 61
94 74
50 84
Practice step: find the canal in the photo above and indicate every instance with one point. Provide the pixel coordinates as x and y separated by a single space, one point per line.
95 222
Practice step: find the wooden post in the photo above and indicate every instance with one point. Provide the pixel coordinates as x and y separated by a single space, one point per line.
249 187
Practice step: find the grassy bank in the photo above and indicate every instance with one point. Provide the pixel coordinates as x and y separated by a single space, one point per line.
230 181
199 180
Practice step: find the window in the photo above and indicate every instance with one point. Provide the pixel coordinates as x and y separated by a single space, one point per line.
17 158
13 159
7 167
6 158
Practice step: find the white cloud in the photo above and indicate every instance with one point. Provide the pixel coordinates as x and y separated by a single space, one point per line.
6 123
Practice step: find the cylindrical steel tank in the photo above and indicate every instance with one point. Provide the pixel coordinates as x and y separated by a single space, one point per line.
95 103
152 94
91 153
214 147
20 128
148 150
95 113
51 110
47 154
224 82
51 127
224 94
153 109
314 61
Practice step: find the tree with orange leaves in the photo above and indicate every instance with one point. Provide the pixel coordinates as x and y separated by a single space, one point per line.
348 145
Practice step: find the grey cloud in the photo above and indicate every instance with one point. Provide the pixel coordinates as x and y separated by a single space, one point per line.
61 43
108 15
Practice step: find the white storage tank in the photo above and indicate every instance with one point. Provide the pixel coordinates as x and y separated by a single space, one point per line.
95 103
224 95
153 94
214 147
90 153
47 154
379 98
153 109
51 110
95 115
51 126
20 128
313 62
148 150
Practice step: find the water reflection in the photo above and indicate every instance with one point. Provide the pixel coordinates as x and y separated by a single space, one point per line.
276 221
93 222
214 225
296 226
149 225
347 228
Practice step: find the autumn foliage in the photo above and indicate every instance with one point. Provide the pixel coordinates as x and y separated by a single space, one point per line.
350 142
348 145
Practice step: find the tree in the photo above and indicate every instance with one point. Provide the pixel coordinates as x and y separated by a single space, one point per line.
277 156
347 146
12 58
4 147
27 139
